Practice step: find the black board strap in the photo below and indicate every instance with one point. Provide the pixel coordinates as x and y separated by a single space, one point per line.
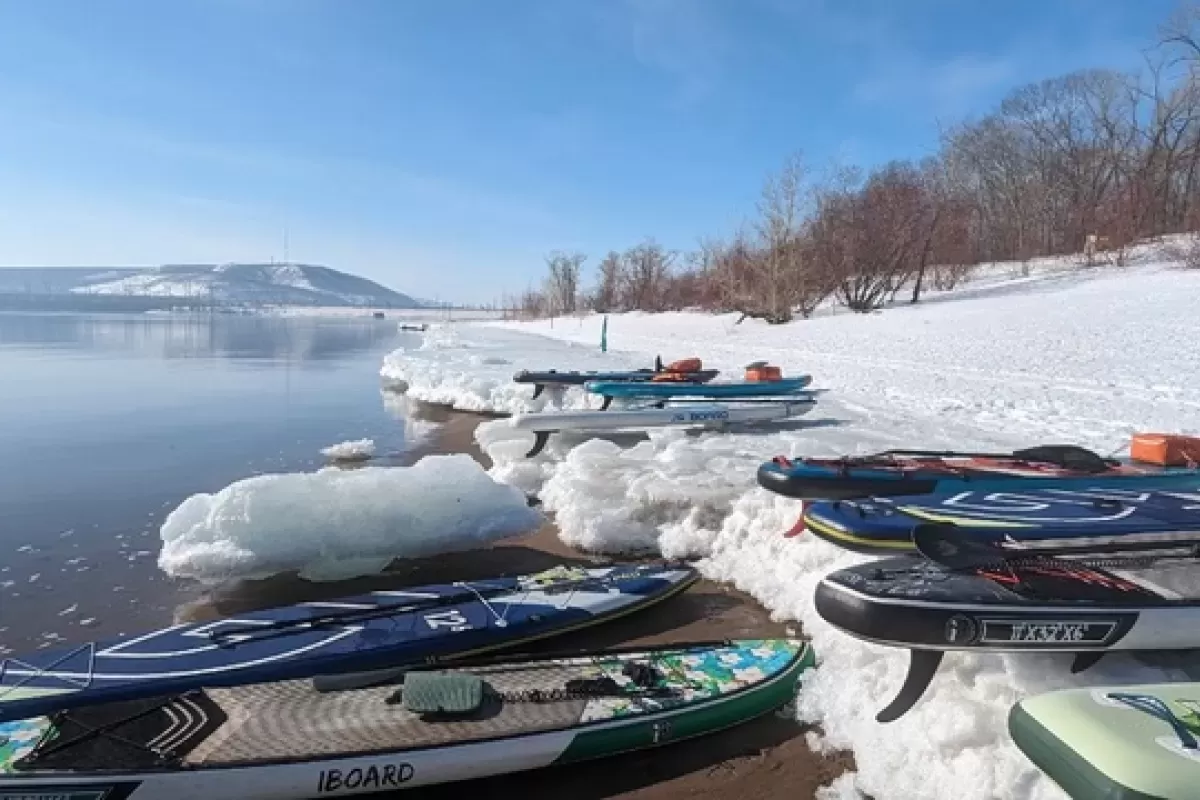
922 665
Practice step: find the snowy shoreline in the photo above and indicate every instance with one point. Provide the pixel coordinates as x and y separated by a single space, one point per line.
1087 361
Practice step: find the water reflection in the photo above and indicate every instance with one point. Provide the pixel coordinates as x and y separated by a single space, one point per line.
179 336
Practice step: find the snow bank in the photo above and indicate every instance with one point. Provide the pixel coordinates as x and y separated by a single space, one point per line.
1086 357
1066 357
472 369
335 524
954 744
352 450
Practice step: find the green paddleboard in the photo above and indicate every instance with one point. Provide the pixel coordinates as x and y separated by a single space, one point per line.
1139 742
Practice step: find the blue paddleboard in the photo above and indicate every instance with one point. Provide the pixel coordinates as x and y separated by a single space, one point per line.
1034 515
372 631
722 389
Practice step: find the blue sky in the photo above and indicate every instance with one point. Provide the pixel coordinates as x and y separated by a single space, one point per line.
442 147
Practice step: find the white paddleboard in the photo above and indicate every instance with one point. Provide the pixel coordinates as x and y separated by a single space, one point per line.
705 414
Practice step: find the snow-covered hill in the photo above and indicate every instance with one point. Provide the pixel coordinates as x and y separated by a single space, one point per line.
254 284
1060 355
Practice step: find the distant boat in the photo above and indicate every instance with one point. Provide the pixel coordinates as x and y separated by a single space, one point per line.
378 315
417 328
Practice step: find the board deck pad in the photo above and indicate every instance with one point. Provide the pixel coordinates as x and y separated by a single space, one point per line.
381 629
208 731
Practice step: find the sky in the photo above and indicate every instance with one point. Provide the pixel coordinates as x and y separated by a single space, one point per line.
444 147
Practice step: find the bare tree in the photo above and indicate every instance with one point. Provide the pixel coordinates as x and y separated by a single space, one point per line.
645 269
607 294
562 284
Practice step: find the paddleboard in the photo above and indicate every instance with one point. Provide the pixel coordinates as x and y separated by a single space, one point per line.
906 473
722 390
1121 742
553 377
1034 516
380 629
702 414
1038 605
291 739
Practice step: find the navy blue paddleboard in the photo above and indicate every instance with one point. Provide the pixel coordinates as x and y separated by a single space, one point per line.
885 524
372 631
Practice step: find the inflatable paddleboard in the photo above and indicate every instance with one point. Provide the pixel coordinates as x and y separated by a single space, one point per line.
380 629
976 600
1036 516
703 414
688 370
296 739
913 472
1118 742
723 390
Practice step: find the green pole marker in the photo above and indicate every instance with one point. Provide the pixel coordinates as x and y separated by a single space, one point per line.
604 335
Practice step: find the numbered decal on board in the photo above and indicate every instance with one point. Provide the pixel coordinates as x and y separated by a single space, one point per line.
452 619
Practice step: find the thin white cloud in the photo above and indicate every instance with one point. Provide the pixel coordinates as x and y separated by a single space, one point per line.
686 39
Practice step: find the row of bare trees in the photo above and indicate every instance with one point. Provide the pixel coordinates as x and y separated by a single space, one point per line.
1095 156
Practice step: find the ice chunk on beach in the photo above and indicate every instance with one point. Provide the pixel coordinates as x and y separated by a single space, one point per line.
353 450
334 524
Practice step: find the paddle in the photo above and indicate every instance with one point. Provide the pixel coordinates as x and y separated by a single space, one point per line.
961 549
1067 456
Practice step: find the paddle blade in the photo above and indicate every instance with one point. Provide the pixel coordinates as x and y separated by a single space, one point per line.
953 547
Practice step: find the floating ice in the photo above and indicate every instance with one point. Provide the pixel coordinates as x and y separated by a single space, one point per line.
334 523
352 450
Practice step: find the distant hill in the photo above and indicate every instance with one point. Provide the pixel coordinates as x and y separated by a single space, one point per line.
222 284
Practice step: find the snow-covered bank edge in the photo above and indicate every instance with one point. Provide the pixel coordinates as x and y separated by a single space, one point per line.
1082 358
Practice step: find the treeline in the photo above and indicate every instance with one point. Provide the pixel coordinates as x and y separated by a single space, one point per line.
1085 163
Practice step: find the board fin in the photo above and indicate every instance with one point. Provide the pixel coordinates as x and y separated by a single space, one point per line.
922 665
539 443
607 402
1086 660
537 389
800 527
